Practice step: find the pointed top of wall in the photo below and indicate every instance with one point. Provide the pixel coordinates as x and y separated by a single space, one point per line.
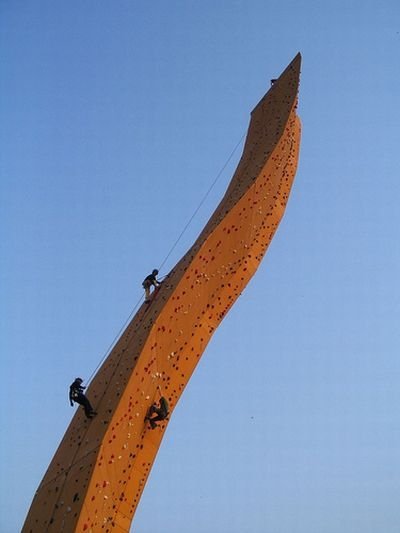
290 78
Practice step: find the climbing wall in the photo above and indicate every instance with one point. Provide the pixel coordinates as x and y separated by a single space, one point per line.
98 473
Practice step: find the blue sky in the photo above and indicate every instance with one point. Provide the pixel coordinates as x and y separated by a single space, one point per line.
116 118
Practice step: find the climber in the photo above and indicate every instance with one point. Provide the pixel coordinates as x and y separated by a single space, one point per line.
161 411
76 395
150 280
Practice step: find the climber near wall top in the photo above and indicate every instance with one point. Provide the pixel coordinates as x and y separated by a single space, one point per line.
150 280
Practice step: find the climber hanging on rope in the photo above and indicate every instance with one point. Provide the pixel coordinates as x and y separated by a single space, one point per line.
76 395
160 410
149 281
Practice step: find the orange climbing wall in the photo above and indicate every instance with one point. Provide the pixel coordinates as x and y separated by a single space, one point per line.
98 473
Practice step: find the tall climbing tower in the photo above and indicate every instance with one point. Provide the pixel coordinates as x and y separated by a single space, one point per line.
98 473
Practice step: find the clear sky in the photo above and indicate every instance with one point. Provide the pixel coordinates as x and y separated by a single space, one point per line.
116 118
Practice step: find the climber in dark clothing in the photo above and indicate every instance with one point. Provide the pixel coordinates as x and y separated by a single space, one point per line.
150 280
76 395
161 412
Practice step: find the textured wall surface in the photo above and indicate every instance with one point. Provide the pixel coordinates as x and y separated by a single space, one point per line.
98 473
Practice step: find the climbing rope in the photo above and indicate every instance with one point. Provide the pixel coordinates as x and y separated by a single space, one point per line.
111 346
115 339
202 201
